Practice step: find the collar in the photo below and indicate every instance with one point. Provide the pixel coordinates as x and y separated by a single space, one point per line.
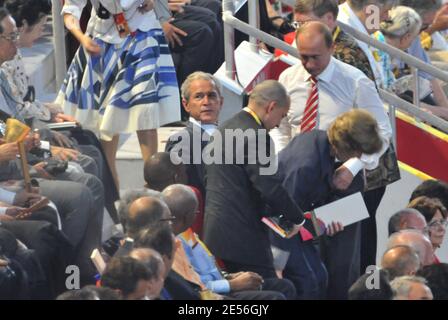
326 75
208 127
352 17
253 114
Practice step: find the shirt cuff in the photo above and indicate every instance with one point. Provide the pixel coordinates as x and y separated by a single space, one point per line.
354 165
45 145
3 211
7 196
219 286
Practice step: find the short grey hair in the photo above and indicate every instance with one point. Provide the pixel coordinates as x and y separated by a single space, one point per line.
395 220
403 20
402 285
422 6
198 75
267 91
181 200
358 5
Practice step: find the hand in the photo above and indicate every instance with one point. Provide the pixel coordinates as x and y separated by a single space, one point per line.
146 5
333 228
9 151
90 45
64 153
14 212
3 263
440 21
246 281
342 178
62 117
26 199
61 140
172 34
42 173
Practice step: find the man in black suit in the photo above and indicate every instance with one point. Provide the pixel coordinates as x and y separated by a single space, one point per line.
242 181
201 98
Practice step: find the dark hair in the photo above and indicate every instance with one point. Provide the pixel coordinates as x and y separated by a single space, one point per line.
428 207
432 189
90 293
437 277
359 290
124 273
159 239
30 11
317 7
3 14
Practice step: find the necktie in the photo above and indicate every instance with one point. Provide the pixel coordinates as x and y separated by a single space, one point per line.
309 119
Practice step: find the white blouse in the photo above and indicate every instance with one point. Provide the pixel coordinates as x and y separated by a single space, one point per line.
105 29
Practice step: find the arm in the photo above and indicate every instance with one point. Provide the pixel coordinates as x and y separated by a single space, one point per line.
367 98
439 94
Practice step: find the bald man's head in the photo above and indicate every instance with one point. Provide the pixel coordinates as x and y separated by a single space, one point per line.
146 212
400 261
183 204
315 46
417 241
160 171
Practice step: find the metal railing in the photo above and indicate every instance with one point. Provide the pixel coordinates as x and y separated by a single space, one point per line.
231 23
59 43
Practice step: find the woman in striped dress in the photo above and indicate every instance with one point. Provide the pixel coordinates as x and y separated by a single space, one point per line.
122 78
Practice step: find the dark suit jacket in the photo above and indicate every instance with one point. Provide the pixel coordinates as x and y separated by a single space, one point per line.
237 195
307 169
195 171
181 289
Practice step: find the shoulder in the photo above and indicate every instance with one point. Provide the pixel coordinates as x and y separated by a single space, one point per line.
291 74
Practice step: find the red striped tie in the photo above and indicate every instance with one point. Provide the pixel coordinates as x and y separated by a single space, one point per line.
309 119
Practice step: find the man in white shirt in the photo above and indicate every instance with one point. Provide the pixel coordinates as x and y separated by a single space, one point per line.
365 16
339 87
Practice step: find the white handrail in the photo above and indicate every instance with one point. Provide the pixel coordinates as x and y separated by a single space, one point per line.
399 103
59 43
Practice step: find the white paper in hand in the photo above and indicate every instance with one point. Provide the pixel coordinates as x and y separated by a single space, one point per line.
347 210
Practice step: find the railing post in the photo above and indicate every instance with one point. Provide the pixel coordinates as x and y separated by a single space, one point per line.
416 86
59 43
229 40
254 21
393 124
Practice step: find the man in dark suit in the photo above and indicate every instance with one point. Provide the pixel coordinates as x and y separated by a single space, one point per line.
241 181
307 166
201 98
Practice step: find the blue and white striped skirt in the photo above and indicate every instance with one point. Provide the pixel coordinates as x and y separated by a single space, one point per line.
130 86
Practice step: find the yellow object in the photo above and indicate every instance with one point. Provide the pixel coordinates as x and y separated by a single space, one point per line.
426 40
16 131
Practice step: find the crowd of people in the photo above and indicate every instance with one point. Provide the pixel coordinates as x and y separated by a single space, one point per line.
195 230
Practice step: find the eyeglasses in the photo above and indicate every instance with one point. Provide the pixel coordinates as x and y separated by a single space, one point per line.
12 36
438 223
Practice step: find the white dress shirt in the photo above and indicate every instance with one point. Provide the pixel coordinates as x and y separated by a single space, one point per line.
6 197
105 29
341 87
347 16
209 128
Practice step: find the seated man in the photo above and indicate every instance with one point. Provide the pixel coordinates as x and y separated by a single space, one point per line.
411 288
308 167
437 277
201 98
243 285
407 218
160 171
400 261
417 241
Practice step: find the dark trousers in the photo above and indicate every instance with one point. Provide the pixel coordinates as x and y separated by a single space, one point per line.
203 47
341 255
265 271
372 199
272 289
